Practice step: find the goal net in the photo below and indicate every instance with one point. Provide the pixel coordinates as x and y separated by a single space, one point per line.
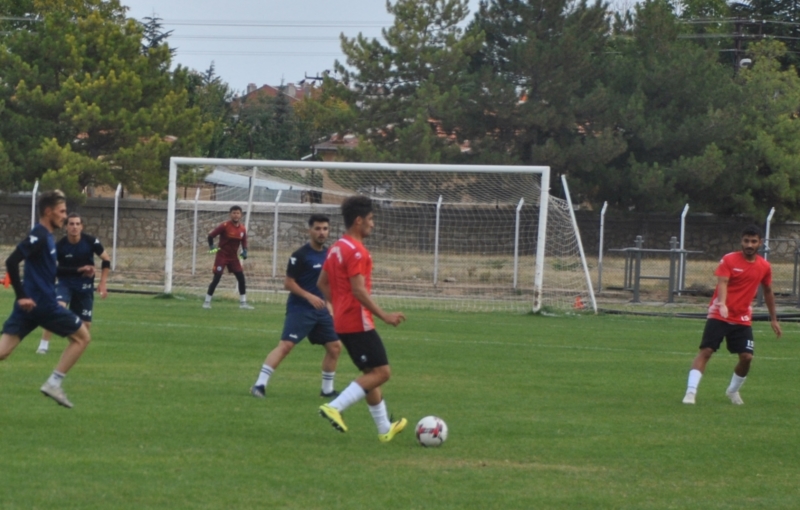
452 237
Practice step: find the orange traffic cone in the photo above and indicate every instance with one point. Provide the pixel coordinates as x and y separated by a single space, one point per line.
578 304
6 281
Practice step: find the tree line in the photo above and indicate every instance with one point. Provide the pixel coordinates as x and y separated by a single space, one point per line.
648 109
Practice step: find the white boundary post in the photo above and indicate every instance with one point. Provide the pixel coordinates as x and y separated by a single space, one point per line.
516 241
544 197
33 203
436 244
170 241
275 237
116 227
580 243
766 233
682 265
194 231
250 200
600 250
541 239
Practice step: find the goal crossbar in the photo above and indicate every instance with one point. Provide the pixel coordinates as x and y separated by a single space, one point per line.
544 198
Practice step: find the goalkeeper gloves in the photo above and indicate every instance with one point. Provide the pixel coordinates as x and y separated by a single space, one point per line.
244 254
212 251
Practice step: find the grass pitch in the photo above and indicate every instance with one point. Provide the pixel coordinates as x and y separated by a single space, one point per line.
544 412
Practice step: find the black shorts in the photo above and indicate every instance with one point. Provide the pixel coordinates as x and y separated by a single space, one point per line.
739 338
365 349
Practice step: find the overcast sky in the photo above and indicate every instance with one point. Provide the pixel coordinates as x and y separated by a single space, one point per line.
264 41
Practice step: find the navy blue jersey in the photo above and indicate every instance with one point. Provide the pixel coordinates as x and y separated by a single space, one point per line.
39 249
304 267
72 256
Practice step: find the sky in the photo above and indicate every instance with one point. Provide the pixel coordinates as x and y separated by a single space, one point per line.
265 42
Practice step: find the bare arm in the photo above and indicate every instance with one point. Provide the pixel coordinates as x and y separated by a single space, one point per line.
358 285
101 288
722 295
769 299
291 285
324 285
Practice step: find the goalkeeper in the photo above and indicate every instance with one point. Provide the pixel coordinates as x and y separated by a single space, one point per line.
231 234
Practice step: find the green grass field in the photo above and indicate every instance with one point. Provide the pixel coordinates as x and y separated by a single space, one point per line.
544 412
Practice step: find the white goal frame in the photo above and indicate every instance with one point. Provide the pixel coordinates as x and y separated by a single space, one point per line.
544 199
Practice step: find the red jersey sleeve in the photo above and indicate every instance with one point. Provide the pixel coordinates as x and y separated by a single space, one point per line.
767 280
217 231
723 269
244 238
355 264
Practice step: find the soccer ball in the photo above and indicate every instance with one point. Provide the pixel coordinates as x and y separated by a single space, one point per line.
431 431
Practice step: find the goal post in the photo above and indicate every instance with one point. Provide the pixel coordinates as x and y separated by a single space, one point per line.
473 194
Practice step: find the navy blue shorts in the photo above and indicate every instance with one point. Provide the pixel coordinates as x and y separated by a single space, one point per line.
80 302
317 325
53 318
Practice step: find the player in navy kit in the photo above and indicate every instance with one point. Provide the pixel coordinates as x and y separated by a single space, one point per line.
36 303
307 313
75 287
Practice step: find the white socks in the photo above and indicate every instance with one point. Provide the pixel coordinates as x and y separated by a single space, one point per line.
694 380
327 381
243 299
55 378
263 376
208 298
43 345
352 394
736 383
381 417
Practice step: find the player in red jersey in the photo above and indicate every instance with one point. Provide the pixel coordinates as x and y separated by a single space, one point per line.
346 282
231 234
730 313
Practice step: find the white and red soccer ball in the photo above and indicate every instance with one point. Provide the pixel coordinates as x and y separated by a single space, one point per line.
431 431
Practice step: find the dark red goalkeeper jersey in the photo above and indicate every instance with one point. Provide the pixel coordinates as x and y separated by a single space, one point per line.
230 237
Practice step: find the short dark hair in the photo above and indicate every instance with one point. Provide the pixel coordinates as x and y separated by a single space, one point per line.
48 200
235 208
74 215
752 230
357 206
318 218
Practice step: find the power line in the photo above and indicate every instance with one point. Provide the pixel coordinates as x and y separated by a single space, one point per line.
275 24
253 38
259 53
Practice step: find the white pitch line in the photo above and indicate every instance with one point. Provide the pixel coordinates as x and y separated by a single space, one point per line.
576 347
437 340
